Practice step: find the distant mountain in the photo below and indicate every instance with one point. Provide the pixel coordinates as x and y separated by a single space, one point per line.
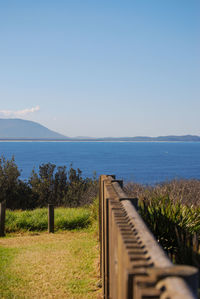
19 129
25 129
169 138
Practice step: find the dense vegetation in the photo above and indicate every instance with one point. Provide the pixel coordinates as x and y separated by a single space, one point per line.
52 184
185 191
172 212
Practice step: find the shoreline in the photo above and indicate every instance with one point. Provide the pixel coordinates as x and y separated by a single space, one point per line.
96 141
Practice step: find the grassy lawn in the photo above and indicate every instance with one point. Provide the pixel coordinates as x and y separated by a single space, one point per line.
37 220
42 265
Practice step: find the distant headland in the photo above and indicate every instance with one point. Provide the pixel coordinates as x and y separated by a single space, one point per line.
25 130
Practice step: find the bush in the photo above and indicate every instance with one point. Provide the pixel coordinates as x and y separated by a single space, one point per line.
52 185
176 227
172 212
186 191
60 187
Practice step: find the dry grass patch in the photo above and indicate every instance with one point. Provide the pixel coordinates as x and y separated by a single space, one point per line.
61 265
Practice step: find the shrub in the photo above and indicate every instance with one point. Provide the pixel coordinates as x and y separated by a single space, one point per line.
52 185
186 191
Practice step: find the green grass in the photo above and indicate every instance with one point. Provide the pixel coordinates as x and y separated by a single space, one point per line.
60 265
37 220
42 265
8 280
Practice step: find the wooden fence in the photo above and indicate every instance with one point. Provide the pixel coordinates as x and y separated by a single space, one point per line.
133 265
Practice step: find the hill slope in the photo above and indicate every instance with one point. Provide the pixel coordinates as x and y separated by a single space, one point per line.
170 138
25 129
17 129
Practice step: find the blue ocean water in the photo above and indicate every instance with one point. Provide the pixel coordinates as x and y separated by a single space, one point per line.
142 162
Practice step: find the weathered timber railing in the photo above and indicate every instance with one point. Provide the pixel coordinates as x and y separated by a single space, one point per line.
133 265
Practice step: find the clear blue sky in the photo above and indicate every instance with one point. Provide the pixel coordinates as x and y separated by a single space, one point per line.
102 68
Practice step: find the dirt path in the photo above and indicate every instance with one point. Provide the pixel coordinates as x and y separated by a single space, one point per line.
61 265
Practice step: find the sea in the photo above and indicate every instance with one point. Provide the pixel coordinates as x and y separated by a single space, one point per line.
147 163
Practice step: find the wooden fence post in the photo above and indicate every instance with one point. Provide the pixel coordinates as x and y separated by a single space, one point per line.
2 218
50 218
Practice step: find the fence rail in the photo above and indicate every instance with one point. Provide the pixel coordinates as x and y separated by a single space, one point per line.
133 265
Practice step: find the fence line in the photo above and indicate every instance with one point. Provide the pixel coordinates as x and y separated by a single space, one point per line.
50 218
133 265
2 218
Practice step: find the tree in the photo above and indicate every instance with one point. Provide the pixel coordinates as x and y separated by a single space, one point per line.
43 186
9 181
60 185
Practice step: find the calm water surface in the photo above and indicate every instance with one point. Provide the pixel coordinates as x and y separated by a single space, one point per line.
143 162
